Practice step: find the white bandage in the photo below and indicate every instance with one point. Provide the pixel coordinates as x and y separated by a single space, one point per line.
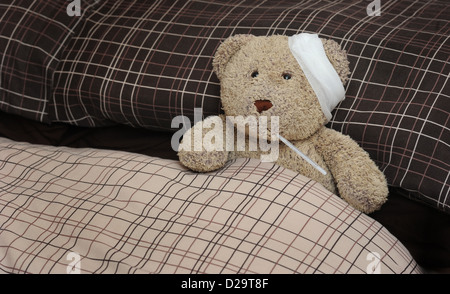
309 52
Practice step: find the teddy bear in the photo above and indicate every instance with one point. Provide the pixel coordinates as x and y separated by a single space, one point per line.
287 78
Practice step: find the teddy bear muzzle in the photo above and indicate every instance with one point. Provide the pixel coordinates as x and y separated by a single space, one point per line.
262 105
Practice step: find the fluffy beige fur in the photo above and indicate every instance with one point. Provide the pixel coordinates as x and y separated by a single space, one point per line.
350 171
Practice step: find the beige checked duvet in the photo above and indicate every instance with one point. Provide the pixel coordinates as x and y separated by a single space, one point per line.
98 211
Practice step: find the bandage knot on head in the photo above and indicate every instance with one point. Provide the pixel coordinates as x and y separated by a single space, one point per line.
309 52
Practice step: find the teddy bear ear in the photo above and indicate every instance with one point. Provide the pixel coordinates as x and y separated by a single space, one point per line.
226 50
338 58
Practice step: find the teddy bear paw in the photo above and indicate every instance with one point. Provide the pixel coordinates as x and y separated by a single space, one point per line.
203 161
366 196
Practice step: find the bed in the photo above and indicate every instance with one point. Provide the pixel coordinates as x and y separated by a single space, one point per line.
89 182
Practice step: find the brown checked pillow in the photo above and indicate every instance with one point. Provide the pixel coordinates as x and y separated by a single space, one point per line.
397 101
33 35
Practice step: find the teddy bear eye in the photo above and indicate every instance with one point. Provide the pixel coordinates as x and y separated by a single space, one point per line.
287 76
255 74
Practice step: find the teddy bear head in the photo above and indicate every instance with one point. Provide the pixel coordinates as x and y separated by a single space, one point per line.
260 76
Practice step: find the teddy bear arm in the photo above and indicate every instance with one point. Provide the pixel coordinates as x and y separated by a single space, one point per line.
203 147
358 179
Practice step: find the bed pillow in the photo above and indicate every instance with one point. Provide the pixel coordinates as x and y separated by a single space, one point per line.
397 101
100 211
33 35
142 64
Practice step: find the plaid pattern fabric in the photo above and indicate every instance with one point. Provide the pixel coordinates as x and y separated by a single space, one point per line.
143 63
397 102
33 35
114 212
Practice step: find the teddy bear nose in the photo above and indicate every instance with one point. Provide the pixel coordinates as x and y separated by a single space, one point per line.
262 105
